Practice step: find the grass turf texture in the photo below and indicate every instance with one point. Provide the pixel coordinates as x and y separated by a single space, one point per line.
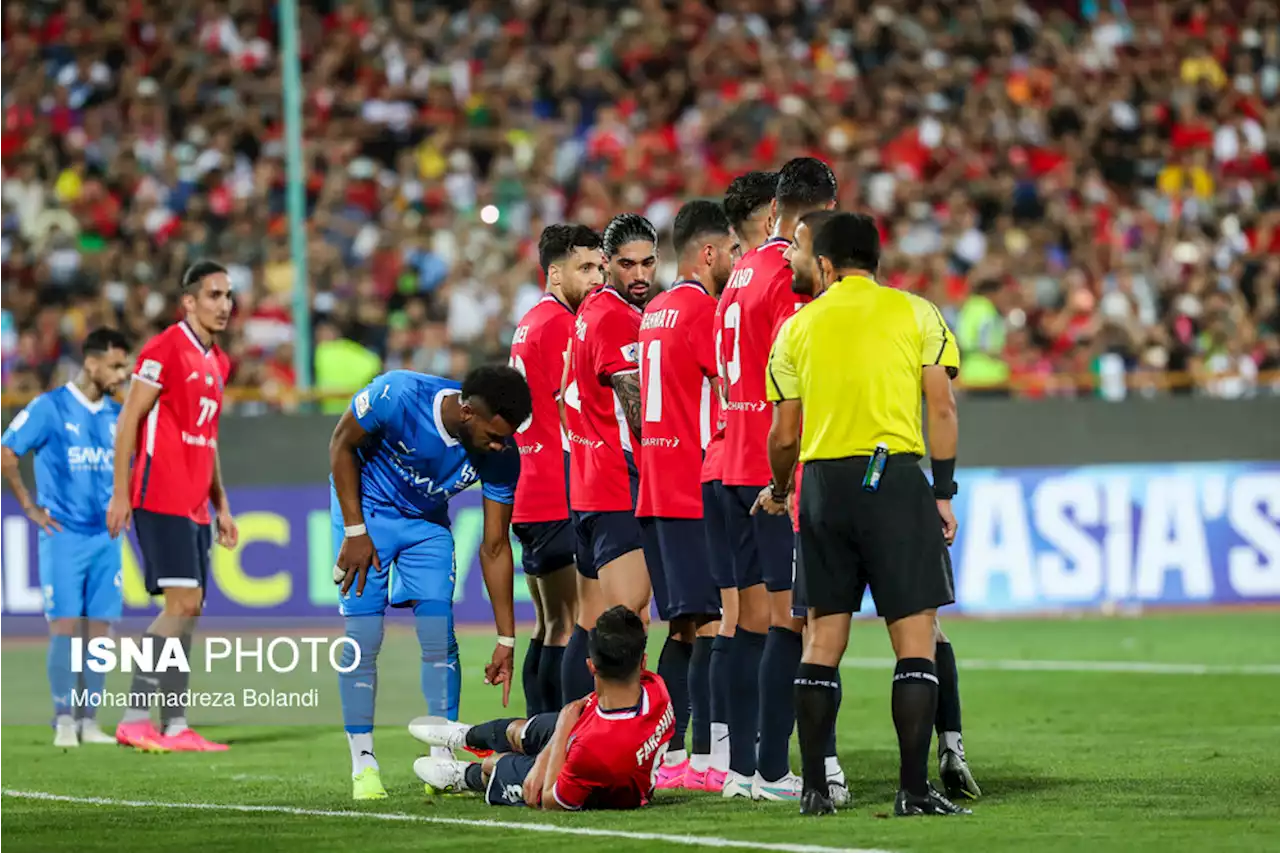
1067 760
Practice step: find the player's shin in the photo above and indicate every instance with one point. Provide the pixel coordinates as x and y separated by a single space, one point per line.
441 670
173 686
143 687
358 687
782 650
817 704
530 678
673 668
947 720
744 704
62 680
720 676
575 678
700 704
914 701
550 677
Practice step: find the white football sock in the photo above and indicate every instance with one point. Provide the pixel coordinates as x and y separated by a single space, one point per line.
833 767
699 763
136 715
953 742
720 746
675 756
361 752
175 726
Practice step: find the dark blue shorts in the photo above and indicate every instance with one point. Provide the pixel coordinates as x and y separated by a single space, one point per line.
675 550
548 546
717 538
603 537
761 544
175 550
506 785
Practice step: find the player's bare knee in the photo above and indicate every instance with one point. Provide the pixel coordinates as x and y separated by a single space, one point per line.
514 731
65 627
486 766
753 609
557 626
938 635
183 603
825 640
913 636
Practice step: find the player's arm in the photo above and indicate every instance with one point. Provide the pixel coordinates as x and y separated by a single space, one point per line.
782 385
497 563
566 376
26 433
228 534
627 387
144 392
369 410
616 353
940 360
563 788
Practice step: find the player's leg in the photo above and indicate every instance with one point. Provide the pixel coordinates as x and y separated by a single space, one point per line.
624 579
749 638
104 601
529 680
559 588
720 559
576 680
784 645
62 573
358 678
953 768
673 661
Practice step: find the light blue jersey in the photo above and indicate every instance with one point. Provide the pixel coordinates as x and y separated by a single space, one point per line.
73 440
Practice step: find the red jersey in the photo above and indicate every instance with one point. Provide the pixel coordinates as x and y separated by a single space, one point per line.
756 300
613 756
178 440
677 366
713 458
537 351
605 344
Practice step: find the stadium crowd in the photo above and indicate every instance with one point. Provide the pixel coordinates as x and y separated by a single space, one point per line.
1088 189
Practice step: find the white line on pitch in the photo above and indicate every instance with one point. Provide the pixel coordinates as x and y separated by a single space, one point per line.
518 826
1086 666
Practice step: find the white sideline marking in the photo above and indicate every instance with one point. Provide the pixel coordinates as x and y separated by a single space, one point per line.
1086 666
689 840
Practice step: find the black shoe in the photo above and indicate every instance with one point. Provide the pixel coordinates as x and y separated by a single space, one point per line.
957 781
907 804
816 803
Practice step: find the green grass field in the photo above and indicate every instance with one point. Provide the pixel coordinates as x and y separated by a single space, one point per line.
1156 733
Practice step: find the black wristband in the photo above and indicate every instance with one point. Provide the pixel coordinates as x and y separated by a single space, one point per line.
776 493
944 478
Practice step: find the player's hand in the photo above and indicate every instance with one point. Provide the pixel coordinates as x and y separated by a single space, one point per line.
949 524
42 519
499 669
228 533
534 782
354 559
570 714
119 512
765 501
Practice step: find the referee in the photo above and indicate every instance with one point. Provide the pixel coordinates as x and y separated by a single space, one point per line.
855 362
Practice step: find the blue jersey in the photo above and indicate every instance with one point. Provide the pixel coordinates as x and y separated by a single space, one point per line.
409 463
74 443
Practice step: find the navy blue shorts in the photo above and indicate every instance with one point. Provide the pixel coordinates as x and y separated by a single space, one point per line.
717 537
675 550
762 544
175 550
603 537
506 785
548 546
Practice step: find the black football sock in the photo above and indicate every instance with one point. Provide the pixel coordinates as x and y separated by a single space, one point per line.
549 677
173 686
831 740
948 717
721 678
673 668
575 678
783 649
491 735
700 695
744 701
915 702
529 679
474 778
817 702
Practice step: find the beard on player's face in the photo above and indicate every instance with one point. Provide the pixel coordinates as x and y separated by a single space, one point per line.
803 281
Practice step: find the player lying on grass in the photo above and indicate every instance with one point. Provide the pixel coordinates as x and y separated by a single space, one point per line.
599 752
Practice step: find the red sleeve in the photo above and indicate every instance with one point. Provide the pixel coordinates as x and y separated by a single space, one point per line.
703 338
150 367
551 347
577 778
783 301
615 345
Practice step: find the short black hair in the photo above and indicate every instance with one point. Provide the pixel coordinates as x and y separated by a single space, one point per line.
696 219
849 241
102 339
198 272
503 390
805 183
627 228
815 219
558 242
747 194
617 644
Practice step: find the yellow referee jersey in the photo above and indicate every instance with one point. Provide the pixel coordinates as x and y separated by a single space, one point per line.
853 357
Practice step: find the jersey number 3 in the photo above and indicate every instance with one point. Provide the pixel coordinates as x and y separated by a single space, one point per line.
733 323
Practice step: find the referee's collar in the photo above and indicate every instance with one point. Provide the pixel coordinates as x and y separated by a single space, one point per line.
854 282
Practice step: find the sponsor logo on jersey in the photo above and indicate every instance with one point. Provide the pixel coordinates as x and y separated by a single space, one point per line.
90 458
150 370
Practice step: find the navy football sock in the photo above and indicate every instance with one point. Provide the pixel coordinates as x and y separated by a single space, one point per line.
673 668
491 735
575 679
529 680
782 651
700 695
549 674
744 703
474 778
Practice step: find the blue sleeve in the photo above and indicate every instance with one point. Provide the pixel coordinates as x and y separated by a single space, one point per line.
376 403
501 471
29 430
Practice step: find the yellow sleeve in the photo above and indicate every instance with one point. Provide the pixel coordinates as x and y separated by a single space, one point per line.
782 380
937 341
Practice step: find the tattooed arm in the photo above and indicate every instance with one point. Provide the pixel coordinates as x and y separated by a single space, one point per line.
627 387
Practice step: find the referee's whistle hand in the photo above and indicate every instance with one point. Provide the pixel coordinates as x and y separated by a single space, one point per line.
948 518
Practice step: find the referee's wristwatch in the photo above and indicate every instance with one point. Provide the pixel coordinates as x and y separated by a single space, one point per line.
776 495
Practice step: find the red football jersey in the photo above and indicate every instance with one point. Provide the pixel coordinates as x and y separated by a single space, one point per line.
756 299
613 756
677 366
604 345
537 351
177 441
713 458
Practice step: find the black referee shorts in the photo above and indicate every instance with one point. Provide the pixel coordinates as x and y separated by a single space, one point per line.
890 540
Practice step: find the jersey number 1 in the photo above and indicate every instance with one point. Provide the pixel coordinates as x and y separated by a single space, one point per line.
652 359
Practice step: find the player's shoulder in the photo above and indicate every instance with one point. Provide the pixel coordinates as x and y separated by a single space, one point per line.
924 311
415 382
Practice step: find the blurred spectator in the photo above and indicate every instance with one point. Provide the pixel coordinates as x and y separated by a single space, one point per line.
1079 185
